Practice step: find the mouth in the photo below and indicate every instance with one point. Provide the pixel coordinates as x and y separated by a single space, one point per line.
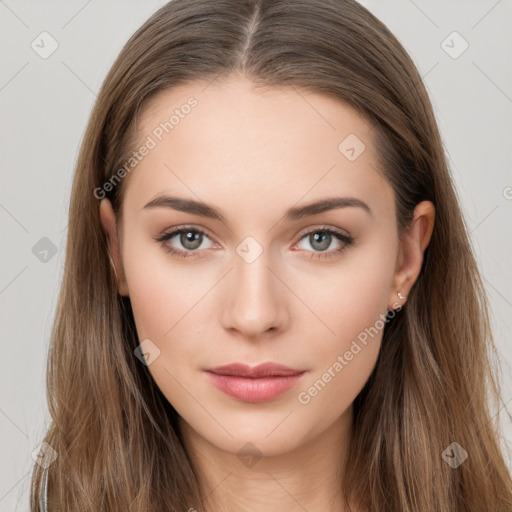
253 384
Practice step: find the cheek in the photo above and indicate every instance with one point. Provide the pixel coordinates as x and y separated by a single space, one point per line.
169 303
161 293
165 304
348 299
352 308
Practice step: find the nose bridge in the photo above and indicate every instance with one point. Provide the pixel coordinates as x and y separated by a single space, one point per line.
256 301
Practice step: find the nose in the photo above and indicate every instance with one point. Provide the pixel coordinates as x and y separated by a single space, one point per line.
255 300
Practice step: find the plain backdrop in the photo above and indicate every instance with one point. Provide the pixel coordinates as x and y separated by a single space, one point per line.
44 107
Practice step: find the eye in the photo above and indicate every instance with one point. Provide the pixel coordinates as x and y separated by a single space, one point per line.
321 239
191 239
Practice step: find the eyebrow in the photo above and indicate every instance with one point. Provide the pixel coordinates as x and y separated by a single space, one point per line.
292 214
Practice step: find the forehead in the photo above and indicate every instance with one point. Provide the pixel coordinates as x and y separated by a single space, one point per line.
231 143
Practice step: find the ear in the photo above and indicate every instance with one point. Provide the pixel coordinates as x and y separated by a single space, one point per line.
108 220
410 255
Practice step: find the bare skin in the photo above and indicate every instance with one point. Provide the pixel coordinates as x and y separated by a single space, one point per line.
254 154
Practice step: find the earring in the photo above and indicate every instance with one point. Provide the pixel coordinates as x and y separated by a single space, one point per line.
400 296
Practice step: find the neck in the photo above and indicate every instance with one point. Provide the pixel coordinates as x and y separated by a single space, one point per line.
308 477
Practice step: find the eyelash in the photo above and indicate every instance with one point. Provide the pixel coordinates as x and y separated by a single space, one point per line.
347 241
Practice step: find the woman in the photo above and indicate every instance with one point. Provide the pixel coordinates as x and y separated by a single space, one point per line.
270 300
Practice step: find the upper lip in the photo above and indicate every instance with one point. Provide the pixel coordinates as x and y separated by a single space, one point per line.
258 371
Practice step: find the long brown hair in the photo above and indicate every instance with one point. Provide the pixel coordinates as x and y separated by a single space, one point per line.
116 435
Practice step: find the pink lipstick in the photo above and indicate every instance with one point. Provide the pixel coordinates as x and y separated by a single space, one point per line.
254 383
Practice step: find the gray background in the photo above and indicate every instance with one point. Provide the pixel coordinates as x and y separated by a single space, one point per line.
44 107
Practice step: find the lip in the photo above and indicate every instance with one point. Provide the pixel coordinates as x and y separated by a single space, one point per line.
258 383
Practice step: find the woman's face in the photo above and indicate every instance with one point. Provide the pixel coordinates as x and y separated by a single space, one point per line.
253 285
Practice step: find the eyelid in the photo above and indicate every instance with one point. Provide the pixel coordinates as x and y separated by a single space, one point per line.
324 227
177 229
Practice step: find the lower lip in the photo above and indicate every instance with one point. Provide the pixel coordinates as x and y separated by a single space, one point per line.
254 390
